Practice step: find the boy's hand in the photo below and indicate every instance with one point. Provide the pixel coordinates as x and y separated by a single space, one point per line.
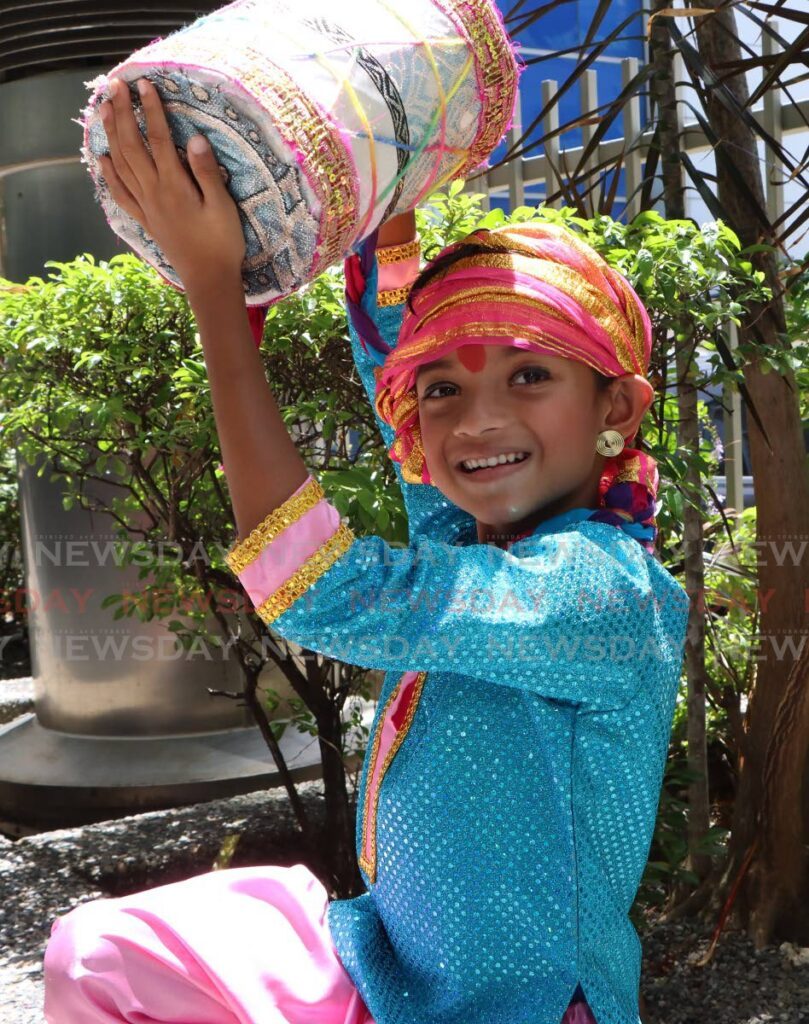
194 220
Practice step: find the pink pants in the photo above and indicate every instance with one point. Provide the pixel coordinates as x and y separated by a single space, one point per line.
242 946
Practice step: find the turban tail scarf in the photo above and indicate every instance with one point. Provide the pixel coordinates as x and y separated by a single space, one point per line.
537 286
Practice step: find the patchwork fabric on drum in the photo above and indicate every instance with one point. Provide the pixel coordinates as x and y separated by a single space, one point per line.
273 194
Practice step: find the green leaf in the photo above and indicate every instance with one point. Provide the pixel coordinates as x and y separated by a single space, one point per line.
494 218
366 500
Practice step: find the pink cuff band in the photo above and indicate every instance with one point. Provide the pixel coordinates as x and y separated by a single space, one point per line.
398 275
282 557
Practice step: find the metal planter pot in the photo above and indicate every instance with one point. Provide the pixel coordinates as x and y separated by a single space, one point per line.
123 718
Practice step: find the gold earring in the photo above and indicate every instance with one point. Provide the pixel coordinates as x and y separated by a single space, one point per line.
610 442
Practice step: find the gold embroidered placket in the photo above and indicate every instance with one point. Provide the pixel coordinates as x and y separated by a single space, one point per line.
369 816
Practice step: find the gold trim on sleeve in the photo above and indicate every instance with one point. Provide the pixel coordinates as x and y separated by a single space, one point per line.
246 551
392 297
310 572
398 253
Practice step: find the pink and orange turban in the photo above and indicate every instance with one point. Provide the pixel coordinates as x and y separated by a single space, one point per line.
537 286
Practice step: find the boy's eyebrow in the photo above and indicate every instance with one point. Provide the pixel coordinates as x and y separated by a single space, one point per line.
442 364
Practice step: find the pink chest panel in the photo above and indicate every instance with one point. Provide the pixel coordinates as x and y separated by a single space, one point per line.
392 727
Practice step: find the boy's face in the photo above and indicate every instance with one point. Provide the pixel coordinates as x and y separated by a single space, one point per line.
492 399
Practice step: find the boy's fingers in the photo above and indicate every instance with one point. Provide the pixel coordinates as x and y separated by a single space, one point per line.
116 157
206 170
161 143
119 192
130 141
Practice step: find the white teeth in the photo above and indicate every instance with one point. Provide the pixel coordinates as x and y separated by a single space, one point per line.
495 461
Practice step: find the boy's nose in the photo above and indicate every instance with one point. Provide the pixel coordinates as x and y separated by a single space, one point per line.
481 413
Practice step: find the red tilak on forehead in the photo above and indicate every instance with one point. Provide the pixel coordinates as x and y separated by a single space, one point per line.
473 357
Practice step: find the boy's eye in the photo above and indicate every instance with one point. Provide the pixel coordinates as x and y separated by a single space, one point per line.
538 373
432 391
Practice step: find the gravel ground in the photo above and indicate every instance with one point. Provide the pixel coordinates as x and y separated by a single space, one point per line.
16 697
739 986
45 875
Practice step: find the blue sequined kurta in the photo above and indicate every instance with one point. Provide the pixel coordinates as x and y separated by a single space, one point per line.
517 755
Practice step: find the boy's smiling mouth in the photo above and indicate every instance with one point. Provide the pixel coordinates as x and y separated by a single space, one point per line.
503 466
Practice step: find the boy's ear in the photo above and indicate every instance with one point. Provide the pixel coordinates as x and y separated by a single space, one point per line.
631 396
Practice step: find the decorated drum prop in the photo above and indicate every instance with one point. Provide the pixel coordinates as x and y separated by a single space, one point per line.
326 117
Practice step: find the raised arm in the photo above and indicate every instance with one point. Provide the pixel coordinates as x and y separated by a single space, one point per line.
558 619
395 268
196 224
399 230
